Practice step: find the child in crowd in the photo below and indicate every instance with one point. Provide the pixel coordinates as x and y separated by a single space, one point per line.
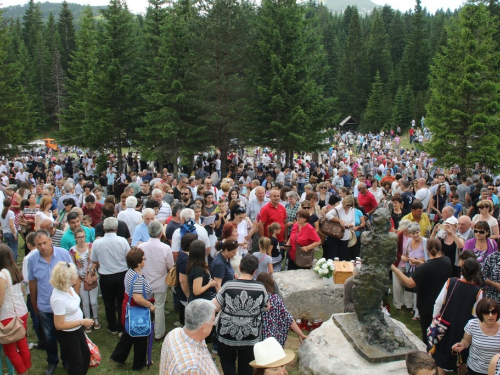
265 260
87 222
274 229
456 206
420 363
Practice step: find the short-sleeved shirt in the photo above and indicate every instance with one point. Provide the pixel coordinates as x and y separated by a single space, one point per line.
13 302
306 236
40 270
242 304
67 304
270 214
141 286
111 252
430 278
94 213
222 269
491 271
264 260
68 239
367 201
482 349
276 321
121 232
202 236
171 227
194 274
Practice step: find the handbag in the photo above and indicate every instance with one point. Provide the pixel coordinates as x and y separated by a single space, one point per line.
439 326
137 318
14 330
172 278
331 228
313 179
303 258
95 355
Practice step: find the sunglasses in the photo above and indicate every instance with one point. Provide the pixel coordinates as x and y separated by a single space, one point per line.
184 193
479 231
306 207
491 312
491 188
324 187
482 207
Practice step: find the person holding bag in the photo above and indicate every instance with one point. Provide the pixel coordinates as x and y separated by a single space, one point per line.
138 292
303 238
13 307
344 216
68 318
80 253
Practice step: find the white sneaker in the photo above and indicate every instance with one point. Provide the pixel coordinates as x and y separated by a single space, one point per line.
178 324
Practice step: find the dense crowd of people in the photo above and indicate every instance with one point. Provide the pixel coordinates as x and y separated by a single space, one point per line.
120 233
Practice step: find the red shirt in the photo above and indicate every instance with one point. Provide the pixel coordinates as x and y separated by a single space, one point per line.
95 213
270 214
305 237
367 201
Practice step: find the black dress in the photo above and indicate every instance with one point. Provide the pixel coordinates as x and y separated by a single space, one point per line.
457 313
451 252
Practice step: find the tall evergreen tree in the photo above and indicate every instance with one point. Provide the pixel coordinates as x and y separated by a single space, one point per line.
66 30
32 25
353 77
403 107
119 99
415 64
171 109
14 103
462 112
375 116
292 109
83 93
379 55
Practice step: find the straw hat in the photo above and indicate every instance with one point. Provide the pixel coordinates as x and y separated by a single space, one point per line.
352 239
269 353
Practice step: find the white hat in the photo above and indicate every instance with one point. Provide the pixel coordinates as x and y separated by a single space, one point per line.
269 354
352 239
451 220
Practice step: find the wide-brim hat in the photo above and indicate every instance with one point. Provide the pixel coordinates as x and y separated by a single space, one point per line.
352 239
269 354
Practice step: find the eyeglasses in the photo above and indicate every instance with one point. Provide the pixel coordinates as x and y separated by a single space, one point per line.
184 193
491 188
479 231
491 312
80 237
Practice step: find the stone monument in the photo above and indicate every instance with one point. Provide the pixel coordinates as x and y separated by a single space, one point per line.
373 335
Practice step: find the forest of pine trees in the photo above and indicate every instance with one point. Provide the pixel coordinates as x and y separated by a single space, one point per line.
191 75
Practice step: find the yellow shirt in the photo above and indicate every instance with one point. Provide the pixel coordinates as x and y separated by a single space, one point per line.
425 223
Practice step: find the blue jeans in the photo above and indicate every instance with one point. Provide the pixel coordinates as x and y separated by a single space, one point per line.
300 188
49 330
12 243
36 322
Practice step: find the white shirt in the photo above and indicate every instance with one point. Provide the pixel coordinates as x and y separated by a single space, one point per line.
424 196
64 303
110 251
217 165
131 217
202 236
348 218
13 302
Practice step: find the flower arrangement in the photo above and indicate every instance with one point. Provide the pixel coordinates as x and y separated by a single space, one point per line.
325 268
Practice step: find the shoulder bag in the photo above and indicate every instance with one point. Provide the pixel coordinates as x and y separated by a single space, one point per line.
331 228
439 326
137 318
93 284
172 278
14 330
303 258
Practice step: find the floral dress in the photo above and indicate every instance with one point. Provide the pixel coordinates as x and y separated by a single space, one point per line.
276 321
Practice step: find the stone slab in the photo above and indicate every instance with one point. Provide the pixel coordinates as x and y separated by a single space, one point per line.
327 352
353 332
305 294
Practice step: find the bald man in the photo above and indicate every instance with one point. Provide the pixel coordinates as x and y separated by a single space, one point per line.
464 228
55 234
447 212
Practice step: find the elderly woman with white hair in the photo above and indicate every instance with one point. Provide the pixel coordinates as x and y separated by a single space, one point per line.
451 243
68 318
400 296
130 216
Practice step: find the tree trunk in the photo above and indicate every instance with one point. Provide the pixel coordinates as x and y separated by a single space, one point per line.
119 154
223 162
278 154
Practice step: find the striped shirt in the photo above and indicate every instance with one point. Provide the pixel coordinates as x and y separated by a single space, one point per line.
180 355
483 347
141 286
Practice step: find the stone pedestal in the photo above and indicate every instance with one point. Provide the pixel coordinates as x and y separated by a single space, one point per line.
305 294
327 352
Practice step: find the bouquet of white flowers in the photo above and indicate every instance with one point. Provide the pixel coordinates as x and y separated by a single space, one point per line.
325 268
